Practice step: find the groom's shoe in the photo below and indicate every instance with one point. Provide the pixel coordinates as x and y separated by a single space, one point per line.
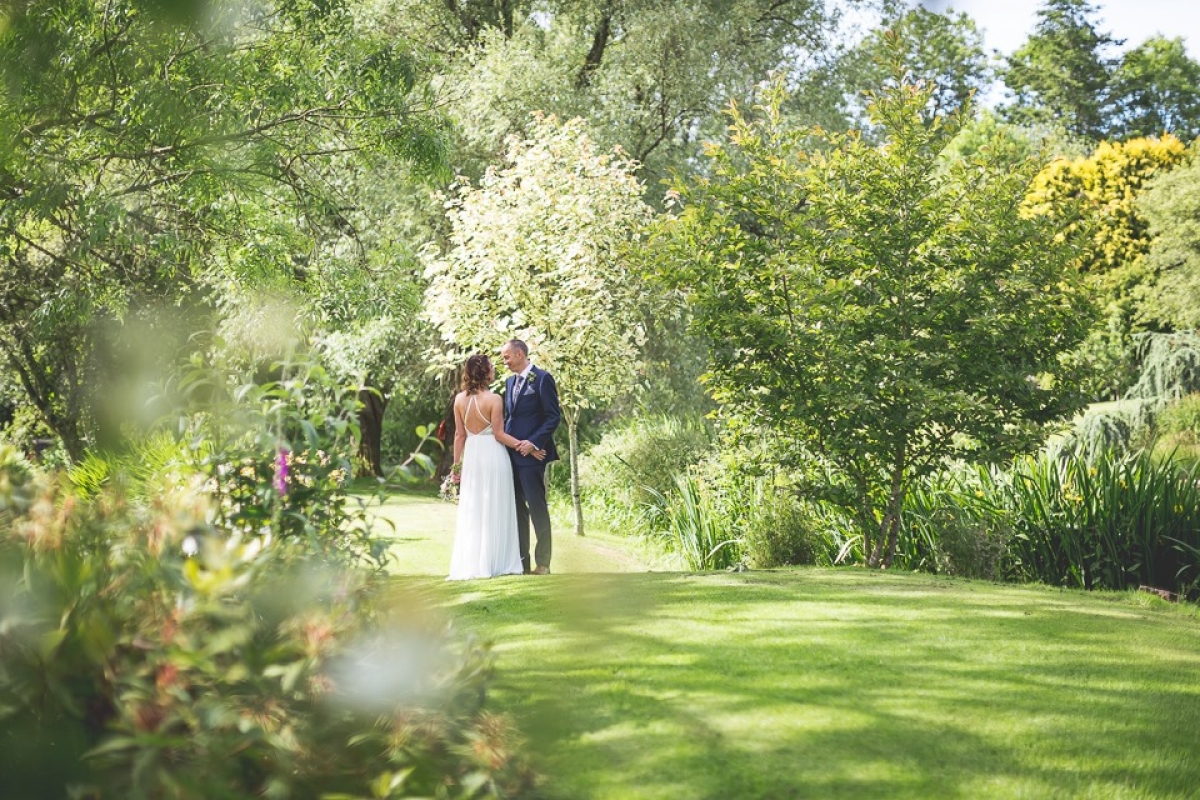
541 570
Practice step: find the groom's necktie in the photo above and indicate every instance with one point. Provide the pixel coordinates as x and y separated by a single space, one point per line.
518 385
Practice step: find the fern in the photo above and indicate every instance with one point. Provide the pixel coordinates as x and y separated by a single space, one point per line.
91 474
141 469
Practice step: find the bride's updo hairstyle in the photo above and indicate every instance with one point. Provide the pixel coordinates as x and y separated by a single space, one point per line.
476 374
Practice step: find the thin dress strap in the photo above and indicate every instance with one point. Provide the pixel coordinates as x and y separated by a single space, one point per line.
472 403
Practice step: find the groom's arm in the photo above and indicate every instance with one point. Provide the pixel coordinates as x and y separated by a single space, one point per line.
552 412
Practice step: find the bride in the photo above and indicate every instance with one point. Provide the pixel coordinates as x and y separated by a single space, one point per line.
485 538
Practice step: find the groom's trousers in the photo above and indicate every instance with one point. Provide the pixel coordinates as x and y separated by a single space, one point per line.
530 485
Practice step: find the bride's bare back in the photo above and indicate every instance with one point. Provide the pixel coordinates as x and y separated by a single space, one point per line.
474 413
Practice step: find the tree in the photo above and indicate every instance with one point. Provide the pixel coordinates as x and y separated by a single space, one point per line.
538 253
1015 143
883 307
1156 90
147 163
1171 206
366 297
649 76
945 50
1062 71
370 352
1107 182
1098 193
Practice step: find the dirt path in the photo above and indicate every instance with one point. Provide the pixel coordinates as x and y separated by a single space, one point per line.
424 534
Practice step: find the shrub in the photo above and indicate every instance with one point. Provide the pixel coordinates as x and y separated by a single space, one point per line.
149 653
15 472
1118 427
1170 365
636 463
278 454
952 526
1179 430
972 548
1098 432
1181 420
1167 370
779 529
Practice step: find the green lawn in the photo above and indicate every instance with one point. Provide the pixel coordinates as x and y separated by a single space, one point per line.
832 683
424 534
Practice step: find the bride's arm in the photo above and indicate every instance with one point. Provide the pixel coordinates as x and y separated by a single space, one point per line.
502 437
460 432
498 424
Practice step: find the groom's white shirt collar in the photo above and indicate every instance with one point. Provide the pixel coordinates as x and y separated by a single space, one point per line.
524 374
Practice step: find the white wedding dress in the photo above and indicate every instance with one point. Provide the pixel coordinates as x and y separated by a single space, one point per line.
485 538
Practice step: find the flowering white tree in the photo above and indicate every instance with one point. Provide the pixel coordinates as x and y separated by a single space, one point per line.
537 252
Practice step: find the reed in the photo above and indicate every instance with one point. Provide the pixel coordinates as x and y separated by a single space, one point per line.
1113 521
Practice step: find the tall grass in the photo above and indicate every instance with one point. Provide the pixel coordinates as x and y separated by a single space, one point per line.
719 520
1092 519
695 525
1111 522
1114 521
954 523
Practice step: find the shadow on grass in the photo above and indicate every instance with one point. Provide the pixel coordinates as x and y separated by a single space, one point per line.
423 489
839 684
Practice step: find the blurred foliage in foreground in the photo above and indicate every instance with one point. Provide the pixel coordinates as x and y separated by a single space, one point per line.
147 651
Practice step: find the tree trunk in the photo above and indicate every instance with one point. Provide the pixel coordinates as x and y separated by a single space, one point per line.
876 551
866 515
506 18
66 423
893 539
889 527
370 423
592 62
879 555
576 499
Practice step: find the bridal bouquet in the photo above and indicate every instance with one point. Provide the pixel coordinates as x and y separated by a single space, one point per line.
449 490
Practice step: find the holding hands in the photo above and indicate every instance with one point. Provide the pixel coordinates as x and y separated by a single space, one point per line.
528 448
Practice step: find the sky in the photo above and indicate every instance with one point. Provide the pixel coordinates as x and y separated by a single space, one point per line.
1007 23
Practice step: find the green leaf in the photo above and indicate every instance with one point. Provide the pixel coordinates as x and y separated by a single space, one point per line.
49 642
289 674
113 744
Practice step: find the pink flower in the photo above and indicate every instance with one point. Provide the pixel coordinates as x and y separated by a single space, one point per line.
281 471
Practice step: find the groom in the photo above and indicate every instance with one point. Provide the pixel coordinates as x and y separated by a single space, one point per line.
531 414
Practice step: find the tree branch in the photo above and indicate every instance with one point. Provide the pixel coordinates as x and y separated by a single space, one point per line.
162 151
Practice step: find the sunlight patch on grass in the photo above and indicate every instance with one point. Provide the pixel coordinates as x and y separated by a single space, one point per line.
839 683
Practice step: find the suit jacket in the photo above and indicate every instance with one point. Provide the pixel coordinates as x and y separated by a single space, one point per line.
534 415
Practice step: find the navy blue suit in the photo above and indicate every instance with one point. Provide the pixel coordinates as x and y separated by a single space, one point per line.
532 415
